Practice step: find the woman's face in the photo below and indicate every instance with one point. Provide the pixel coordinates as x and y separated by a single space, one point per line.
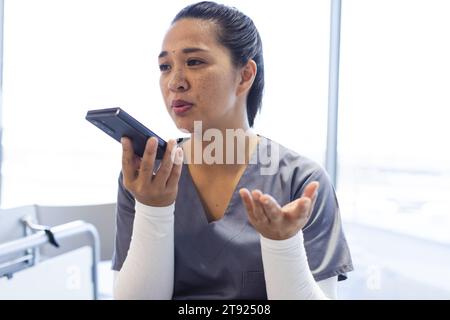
198 80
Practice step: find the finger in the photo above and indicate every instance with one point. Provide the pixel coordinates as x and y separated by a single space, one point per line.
258 211
174 177
148 161
137 162
271 207
128 161
311 189
165 168
248 203
313 203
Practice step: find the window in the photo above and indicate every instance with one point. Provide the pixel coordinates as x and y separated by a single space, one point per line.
394 173
62 58
394 107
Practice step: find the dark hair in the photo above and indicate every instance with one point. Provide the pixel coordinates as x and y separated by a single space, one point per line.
238 33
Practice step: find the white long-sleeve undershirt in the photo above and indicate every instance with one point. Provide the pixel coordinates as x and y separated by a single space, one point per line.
148 270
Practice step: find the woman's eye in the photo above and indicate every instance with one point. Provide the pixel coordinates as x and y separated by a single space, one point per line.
164 67
194 62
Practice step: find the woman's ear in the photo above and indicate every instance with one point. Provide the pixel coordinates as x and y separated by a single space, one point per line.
247 76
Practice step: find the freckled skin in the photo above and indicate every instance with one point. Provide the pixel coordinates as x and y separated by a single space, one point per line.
212 85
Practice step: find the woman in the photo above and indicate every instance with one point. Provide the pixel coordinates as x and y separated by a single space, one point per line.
218 226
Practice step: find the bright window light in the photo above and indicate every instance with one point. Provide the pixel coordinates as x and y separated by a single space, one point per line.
62 58
394 109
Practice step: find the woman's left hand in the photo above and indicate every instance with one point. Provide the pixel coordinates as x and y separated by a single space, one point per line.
275 222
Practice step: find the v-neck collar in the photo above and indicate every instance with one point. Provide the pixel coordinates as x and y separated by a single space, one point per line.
209 239
234 199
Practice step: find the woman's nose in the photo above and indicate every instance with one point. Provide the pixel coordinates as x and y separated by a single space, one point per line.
178 82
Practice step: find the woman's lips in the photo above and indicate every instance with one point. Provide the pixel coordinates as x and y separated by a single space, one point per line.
182 109
181 106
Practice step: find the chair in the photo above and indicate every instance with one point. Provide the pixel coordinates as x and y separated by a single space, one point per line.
11 228
101 216
83 234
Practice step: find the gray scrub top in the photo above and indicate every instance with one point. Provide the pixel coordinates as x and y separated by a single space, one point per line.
222 259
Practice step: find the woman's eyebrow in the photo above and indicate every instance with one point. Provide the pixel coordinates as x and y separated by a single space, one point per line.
185 51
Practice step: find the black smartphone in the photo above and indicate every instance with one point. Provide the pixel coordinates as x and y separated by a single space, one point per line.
117 123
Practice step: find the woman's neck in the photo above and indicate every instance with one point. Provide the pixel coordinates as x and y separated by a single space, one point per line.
220 150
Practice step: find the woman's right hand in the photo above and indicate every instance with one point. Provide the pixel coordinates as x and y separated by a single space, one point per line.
153 189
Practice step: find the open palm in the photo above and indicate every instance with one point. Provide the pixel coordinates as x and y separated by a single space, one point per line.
272 220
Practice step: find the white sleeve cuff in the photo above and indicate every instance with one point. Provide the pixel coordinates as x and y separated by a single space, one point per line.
154 211
283 245
286 270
